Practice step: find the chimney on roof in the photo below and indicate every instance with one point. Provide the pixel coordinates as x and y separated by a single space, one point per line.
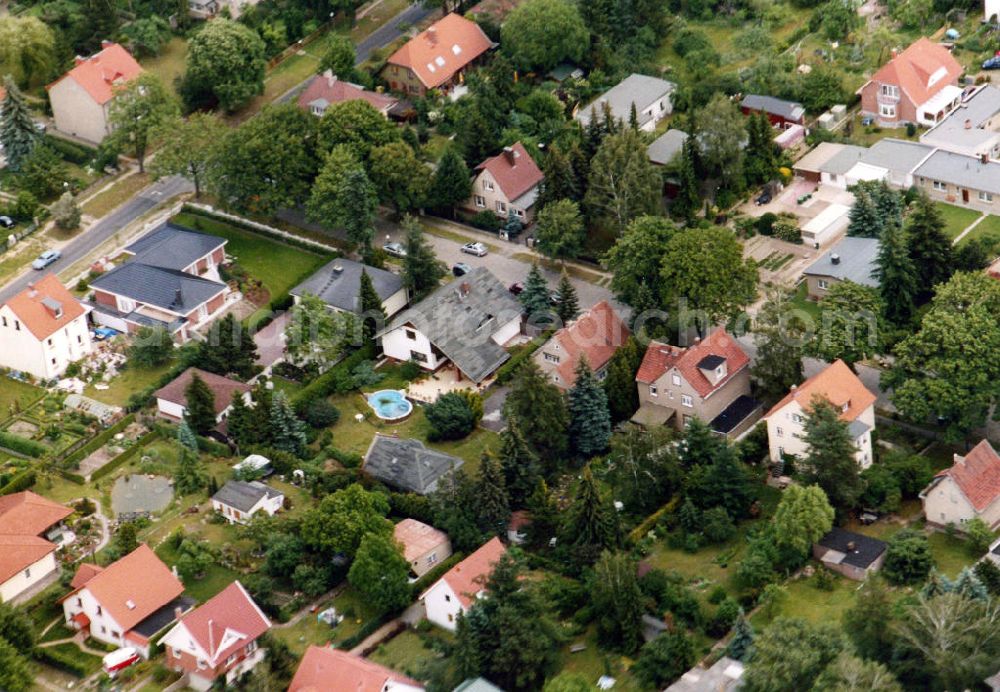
984 158
338 269
178 612
835 258
464 288
178 297
508 153
79 60
105 43
432 35
895 52
850 546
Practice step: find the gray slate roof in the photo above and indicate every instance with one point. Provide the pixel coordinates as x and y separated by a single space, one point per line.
636 88
844 160
964 171
157 286
338 284
857 261
173 247
896 155
407 465
460 322
789 110
666 147
243 496
978 108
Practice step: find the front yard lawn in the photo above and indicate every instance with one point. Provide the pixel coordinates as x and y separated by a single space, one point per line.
170 63
956 219
90 663
120 192
951 553
990 226
800 301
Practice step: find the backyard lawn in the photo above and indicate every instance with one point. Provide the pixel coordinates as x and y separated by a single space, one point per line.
592 663
16 396
805 600
215 580
990 226
801 302
951 553
169 64
406 653
309 630
129 381
956 219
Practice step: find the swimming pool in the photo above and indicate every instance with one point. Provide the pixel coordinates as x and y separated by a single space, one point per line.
390 404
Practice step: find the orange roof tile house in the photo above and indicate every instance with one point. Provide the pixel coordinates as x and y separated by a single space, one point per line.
709 380
919 85
838 385
324 669
81 98
456 591
27 558
218 638
436 57
128 602
423 545
507 184
595 336
43 329
970 489
324 90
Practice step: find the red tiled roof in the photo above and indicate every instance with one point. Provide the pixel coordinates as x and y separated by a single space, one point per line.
133 587
514 170
444 48
519 520
837 384
29 514
102 72
19 552
85 573
40 320
327 87
223 388
330 670
231 610
468 577
977 475
417 538
661 357
595 335
912 70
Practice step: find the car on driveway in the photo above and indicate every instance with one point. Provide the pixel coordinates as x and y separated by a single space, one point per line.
763 198
477 249
993 63
394 249
45 259
516 288
461 269
6 222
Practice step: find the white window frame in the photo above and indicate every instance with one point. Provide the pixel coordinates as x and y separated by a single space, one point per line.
886 111
480 201
985 196
501 207
653 391
676 379
822 284
939 186
686 400
488 185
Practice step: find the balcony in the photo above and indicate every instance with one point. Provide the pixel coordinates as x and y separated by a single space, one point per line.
886 99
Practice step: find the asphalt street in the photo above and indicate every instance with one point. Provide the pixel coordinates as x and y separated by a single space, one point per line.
94 236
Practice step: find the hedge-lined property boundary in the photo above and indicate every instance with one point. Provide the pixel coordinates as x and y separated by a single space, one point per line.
324 384
122 458
80 453
22 481
60 661
22 445
254 227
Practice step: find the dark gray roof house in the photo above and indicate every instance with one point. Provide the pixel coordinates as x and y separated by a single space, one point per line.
650 95
407 465
338 284
852 554
666 147
852 259
176 291
173 247
790 111
244 496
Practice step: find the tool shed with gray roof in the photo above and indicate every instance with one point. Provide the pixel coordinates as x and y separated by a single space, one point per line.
780 110
852 259
666 147
466 322
405 464
852 554
650 95
338 284
237 501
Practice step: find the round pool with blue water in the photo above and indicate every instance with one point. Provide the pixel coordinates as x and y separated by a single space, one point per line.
390 404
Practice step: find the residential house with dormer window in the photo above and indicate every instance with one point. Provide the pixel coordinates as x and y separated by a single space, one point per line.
594 336
507 184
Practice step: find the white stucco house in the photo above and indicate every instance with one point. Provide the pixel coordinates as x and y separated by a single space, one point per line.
27 557
838 385
455 592
43 329
968 490
650 96
239 501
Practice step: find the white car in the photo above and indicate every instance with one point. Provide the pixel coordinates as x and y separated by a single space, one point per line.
477 249
394 249
45 259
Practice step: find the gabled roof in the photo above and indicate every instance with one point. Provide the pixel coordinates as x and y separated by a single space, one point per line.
977 475
338 284
37 306
223 388
226 622
594 335
838 385
330 670
460 318
417 538
638 89
920 71
859 550
852 259
441 50
514 170
661 358
325 90
133 587
961 170
242 495
159 287
84 573
29 514
789 110
99 74
667 146
20 552
173 247
468 577
406 464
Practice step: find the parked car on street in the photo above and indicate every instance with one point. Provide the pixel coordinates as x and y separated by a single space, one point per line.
394 249
477 249
461 269
45 259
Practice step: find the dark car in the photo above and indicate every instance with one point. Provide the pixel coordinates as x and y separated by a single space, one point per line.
763 198
555 297
992 64
461 269
516 288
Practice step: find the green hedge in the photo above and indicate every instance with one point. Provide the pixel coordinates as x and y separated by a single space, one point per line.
324 384
506 372
71 151
73 477
21 481
366 631
124 456
245 226
80 453
22 445
57 659
422 584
